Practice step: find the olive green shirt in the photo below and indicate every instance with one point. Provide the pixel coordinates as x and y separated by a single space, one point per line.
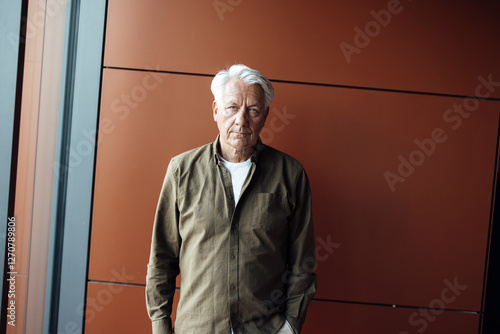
248 267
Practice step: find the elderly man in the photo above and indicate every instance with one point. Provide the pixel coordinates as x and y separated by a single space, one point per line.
234 217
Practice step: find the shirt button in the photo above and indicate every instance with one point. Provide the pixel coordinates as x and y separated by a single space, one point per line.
233 257
233 287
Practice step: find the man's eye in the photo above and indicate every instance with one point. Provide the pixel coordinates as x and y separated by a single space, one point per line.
254 111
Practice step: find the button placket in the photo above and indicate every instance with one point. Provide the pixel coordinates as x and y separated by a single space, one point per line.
233 244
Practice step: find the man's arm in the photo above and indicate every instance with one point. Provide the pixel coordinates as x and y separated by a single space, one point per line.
301 282
163 266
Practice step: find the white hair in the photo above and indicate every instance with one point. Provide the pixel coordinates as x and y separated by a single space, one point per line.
247 75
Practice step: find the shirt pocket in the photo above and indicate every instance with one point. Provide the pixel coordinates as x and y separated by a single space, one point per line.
269 213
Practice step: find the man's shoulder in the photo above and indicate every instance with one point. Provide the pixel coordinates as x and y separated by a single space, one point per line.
273 156
201 154
200 150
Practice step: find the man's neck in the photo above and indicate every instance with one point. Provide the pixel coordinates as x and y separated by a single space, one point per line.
233 155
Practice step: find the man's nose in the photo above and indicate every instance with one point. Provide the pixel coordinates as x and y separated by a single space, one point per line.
242 117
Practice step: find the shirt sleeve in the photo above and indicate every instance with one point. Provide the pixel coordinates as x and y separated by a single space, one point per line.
301 281
163 266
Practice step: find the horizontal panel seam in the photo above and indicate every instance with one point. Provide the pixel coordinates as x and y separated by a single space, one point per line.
389 90
324 300
395 306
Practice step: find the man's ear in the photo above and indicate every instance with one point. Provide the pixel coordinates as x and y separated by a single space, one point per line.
215 108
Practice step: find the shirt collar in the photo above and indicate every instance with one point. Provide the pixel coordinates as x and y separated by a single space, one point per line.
259 147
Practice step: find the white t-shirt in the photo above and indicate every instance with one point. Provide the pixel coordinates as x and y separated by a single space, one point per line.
239 172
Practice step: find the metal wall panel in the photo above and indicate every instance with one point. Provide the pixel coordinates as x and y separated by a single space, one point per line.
420 45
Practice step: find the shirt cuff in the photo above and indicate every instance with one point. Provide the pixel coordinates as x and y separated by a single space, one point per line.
162 326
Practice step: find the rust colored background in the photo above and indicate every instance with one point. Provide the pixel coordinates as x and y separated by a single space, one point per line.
373 97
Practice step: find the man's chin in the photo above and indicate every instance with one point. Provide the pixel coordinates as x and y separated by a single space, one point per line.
241 144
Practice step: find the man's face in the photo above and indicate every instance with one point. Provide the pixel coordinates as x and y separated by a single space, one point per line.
240 115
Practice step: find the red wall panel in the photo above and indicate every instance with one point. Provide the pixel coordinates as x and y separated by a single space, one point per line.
137 138
116 308
339 318
393 247
427 46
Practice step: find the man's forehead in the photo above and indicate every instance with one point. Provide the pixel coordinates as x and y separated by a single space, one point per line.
236 89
